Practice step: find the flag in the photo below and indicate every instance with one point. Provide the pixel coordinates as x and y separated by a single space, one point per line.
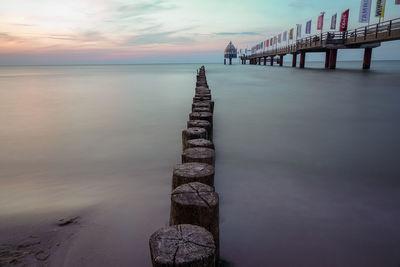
308 27
333 22
397 2
280 38
271 42
365 11
344 20
320 23
267 43
380 8
291 34
275 40
298 33
285 35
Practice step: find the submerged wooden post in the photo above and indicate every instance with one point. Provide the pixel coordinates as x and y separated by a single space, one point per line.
196 203
367 58
193 172
280 60
193 133
272 60
182 246
265 61
199 154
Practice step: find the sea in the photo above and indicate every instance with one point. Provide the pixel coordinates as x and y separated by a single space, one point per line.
307 160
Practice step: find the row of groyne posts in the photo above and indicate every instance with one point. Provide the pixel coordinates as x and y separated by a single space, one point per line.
192 239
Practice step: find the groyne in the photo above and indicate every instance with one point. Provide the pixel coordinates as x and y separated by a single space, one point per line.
192 239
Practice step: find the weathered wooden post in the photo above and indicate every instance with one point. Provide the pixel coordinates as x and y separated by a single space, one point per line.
201 142
332 59
182 246
198 103
193 133
208 116
193 172
196 203
199 154
294 60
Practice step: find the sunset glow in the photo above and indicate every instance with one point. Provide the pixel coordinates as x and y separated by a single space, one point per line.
114 30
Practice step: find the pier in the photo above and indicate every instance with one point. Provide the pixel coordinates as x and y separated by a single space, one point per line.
367 38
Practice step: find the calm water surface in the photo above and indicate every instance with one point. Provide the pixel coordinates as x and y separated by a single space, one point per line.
307 160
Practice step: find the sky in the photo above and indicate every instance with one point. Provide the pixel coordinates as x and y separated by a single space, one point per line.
158 31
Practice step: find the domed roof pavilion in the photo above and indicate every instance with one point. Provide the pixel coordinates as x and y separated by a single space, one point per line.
230 52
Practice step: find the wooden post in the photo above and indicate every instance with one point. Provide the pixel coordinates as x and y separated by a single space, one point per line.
224 61
201 124
193 172
272 60
201 142
332 59
208 116
327 56
302 59
281 60
259 61
294 60
196 203
182 245
193 133
367 58
199 154
265 61
200 104
230 61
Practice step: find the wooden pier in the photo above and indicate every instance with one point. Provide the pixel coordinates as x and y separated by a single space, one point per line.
366 38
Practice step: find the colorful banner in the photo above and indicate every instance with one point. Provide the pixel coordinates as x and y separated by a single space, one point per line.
320 23
397 2
344 20
308 27
380 8
291 34
275 40
280 38
298 33
285 35
365 11
333 22
267 43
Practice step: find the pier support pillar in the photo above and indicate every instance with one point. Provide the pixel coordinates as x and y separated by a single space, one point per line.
259 61
230 61
332 59
265 61
302 60
272 60
244 61
367 58
224 61
327 56
281 60
294 60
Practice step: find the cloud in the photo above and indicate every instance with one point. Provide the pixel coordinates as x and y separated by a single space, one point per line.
158 38
236 33
141 9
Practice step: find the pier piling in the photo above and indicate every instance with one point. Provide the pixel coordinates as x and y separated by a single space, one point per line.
199 154
367 58
193 133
